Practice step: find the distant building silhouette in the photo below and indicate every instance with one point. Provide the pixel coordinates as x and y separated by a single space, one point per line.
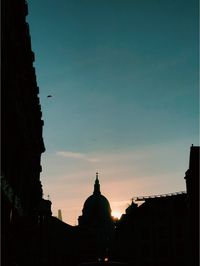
96 209
59 215
96 226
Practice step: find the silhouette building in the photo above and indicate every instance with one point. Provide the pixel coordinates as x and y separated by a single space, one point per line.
192 186
161 231
155 232
21 137
22 142
95 226
164 229
96 209
59 215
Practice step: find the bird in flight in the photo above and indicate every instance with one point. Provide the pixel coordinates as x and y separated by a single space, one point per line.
49 96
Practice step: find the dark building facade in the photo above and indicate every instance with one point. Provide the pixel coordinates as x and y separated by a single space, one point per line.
21 132
22 142
192 185
154 233
163 230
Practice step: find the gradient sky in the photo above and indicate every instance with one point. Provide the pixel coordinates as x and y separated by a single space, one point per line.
124 79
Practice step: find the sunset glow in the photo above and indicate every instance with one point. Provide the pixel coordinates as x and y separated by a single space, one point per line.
118 98
116 214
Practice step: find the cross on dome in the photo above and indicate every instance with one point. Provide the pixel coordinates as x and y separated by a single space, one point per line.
97 185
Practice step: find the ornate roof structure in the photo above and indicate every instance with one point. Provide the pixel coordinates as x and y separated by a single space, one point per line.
96 209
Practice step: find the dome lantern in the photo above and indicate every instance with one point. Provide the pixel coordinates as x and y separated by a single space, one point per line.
97 186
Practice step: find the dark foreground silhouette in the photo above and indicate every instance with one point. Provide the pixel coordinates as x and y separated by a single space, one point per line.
162 231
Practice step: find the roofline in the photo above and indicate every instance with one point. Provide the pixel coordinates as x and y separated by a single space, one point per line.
143 198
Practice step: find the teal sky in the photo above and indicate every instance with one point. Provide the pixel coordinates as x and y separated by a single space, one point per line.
124 80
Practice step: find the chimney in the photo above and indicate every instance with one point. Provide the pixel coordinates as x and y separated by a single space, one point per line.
59 215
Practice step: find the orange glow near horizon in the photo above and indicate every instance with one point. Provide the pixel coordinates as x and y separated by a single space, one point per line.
116 214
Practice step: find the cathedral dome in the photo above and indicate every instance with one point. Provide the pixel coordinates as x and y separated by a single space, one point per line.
97 203
96 208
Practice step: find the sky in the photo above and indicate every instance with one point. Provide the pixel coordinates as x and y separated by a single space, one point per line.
123 75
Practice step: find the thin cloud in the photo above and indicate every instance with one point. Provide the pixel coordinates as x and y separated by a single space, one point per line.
69 154
77 155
